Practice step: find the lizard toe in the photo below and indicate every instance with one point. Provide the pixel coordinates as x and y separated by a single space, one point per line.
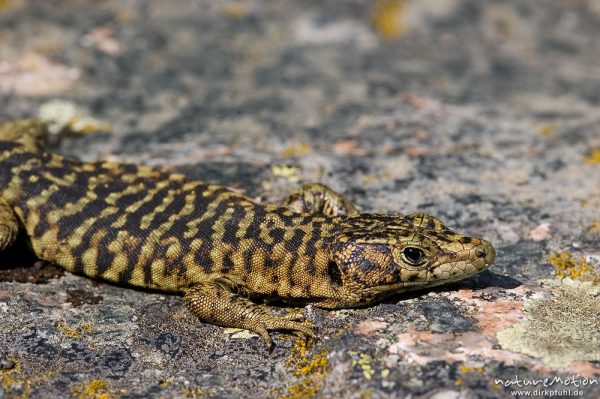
295 315
264 334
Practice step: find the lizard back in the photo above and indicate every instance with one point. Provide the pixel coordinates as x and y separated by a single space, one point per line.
130 224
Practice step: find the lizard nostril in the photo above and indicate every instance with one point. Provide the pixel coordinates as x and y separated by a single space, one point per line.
485 251
482 251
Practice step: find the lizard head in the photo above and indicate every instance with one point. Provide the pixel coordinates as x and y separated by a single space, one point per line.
379 255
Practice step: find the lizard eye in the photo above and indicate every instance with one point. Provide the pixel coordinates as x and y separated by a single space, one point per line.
414 256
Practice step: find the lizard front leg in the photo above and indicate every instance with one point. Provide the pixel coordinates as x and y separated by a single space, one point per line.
319 198
9 226
220 301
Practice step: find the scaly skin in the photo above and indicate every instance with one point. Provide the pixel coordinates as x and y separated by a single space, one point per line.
143 227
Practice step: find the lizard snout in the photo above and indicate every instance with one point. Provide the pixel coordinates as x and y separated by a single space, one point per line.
486 251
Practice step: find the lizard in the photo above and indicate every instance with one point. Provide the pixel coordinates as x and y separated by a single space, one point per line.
229 256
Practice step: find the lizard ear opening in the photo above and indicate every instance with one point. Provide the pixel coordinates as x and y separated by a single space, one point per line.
334 273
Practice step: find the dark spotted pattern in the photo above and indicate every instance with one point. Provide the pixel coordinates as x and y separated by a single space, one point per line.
148 228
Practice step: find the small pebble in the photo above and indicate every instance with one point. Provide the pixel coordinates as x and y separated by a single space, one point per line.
6 364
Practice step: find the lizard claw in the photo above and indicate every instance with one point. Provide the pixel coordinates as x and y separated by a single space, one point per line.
295 315
264 334
304 330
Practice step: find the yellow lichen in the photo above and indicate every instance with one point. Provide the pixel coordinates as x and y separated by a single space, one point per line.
95 389
468 374
290 172
65 116
594 227
593 157
386 18
365 363
295 150
470 369
163 383
567 265
366 395
16 385
311 370
547 129
76 332
11 384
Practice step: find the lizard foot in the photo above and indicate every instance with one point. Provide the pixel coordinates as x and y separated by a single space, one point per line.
317 198
215 302
303 330
295 315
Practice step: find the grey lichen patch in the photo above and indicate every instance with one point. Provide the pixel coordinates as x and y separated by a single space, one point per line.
561 330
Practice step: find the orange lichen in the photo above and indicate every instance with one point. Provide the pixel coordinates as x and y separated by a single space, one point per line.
343 147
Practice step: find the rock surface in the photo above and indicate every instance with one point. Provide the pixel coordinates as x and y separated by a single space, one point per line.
484 114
